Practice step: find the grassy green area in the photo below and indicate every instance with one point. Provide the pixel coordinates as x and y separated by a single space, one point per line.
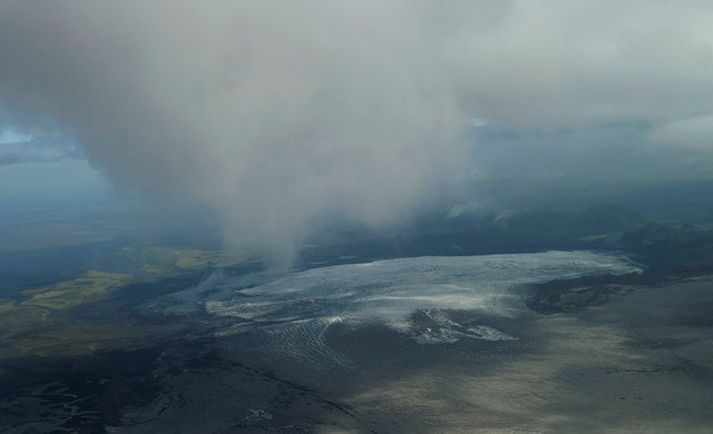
163 261
41 320
44 325
93 285
6 305
19 320
62 337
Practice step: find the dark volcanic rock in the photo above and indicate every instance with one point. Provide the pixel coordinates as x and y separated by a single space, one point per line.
569 295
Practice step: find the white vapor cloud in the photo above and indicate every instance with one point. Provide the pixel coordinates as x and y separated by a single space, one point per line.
273 114
694 133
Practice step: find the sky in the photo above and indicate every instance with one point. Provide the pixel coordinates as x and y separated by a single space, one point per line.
275 116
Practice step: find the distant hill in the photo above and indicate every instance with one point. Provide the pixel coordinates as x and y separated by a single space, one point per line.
681 248
596 227
682 201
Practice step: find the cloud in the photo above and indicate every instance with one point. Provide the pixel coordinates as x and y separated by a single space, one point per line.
16 153
274 115
694 133
18 149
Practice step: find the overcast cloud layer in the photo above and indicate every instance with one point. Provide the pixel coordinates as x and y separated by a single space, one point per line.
273 114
